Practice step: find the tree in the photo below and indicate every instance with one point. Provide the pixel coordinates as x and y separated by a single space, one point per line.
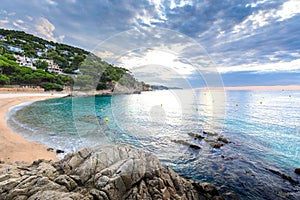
52 86
77 60
41 64
9 56
4 79
8 66
61 61
85 82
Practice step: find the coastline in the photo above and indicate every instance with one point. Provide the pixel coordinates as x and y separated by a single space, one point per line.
13 147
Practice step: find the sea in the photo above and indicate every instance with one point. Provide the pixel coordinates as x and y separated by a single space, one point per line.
262 127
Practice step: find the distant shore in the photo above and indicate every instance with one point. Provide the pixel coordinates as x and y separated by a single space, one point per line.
277 87
13 147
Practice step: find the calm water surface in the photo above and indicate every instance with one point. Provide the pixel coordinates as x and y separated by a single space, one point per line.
263 126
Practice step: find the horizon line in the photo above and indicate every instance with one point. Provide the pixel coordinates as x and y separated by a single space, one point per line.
254 87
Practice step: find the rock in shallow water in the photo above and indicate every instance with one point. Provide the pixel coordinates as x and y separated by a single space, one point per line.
111 172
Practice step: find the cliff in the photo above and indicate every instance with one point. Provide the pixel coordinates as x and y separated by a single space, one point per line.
111 172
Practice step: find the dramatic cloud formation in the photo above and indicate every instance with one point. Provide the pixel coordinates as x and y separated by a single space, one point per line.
242 38
45 29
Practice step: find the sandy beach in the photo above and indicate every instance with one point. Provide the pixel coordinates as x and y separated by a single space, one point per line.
13 147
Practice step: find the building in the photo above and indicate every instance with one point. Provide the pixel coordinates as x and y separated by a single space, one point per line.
15 49
25 62
52 67
39 53
50 46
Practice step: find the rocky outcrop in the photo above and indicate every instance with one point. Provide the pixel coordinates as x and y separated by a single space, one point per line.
111 172
283 176
188 144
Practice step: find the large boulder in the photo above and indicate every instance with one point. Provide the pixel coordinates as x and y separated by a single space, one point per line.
111 172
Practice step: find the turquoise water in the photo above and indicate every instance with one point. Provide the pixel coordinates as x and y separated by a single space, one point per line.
263 127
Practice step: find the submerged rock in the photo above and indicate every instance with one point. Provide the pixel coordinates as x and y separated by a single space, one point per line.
222 139
283 176
297 171
111 172
196 136
210 133
188 144
216 145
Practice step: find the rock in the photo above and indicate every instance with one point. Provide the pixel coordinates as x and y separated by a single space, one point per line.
209 188
111 172
193 146
283 176
210 133
216 145
186 143
50 149
59 151
297 171
196 136
222 139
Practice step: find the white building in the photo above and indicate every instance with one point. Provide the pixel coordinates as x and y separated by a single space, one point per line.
52 67
39 53
50 46
25 62
15 49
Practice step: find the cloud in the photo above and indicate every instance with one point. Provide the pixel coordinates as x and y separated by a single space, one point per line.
277 67
234 33
70 1
51 2
45 29
157 57
19 24
4 21
29 18
288 10
266 17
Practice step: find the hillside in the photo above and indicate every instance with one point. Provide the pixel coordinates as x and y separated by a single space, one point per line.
29 60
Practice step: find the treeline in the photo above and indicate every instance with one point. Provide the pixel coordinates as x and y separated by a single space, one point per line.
12 74
101 75
67 57
94 72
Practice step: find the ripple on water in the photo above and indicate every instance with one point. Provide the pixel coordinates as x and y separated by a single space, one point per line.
263 135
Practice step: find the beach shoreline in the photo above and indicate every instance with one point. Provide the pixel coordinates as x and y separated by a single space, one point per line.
13 147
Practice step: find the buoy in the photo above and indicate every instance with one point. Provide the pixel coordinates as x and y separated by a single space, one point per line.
260 102
236 104
106 119
161 105
290 95
197 109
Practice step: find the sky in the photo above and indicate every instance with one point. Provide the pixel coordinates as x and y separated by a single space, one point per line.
175 42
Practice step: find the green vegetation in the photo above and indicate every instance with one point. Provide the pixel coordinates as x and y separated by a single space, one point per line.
40 64
11 73
94 72
67 57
